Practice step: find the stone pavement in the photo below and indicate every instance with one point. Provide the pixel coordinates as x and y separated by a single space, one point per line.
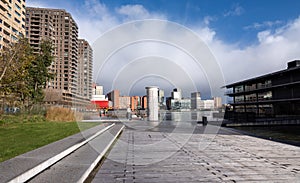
160 155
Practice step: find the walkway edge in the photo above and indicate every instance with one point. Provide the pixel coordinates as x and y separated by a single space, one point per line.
97 160
41 167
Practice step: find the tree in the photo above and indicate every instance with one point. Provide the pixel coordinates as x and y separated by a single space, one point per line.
14 63
39 73
24 74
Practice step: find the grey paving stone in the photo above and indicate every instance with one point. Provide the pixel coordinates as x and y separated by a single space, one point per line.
226 157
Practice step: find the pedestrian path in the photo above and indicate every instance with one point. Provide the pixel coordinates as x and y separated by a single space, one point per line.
140 156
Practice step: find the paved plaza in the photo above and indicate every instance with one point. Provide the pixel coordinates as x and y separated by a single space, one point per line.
160 155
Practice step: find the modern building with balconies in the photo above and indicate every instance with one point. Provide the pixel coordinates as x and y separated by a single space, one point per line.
72 64
269 99
12 21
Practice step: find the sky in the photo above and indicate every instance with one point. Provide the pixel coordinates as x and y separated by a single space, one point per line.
247 38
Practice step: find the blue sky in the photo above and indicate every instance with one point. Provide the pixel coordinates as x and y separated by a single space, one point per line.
248 38
234 21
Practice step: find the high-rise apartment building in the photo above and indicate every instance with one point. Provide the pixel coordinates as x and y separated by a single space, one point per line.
58 26
85 70
12 21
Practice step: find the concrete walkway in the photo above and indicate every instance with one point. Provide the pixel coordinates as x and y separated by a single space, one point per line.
166 152
16 166
158 155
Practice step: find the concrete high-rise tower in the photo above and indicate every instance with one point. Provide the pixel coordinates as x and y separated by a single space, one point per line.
152 103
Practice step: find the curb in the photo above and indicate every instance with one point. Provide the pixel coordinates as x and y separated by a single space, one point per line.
41 167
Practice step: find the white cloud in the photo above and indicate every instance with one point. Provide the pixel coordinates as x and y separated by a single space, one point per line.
137 12
98 18
271 53
208 19
236 10
263 25
205 33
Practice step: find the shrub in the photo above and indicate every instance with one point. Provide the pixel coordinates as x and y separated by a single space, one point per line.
62 114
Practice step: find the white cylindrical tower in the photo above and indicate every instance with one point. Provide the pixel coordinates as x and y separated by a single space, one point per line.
152 103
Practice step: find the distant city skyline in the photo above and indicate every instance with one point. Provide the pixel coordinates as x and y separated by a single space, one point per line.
248 38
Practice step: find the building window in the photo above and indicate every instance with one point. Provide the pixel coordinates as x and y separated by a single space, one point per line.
251 109
251 98
6 33
14 30
239 89
239 99
17 13
17 6
265 110
14 37
265 96
250 87
17 20
264 84
239 109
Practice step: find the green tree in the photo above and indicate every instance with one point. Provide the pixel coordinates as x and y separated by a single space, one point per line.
14 63
24 74
39 73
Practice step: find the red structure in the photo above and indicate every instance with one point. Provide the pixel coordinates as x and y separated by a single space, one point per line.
100 104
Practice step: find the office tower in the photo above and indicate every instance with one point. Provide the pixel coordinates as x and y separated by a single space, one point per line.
196 100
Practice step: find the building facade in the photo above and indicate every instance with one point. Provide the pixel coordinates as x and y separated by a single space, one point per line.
196 100
85 69
272 98
58 26
217 102
135 103
124 102
144 102
97 90
12 21
114 96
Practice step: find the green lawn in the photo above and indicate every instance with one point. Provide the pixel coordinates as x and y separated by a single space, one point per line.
22 134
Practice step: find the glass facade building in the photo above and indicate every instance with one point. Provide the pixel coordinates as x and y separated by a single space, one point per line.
273 97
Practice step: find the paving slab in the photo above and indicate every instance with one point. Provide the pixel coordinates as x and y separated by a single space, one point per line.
205 157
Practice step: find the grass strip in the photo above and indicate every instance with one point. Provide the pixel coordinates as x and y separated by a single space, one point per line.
19 134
